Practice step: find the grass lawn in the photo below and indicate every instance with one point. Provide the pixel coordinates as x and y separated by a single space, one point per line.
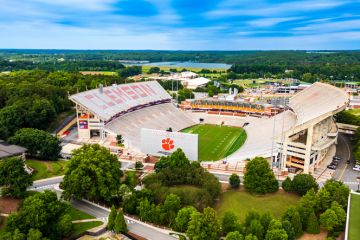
217 142
79 215
354 221
241 202
354 111
46 169
82 227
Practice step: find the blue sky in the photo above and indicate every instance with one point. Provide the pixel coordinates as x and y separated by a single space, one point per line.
180 24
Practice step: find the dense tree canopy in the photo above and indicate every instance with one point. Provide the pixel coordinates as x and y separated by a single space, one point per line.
13 177
38 143
41 213
92 173
259 178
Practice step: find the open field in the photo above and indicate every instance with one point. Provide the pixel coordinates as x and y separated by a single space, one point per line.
354 221
241 202
145 69
46 169
99 73
217 142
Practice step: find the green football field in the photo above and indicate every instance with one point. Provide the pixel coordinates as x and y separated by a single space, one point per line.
217 142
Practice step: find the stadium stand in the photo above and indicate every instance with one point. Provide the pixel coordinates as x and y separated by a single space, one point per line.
161 117
125 109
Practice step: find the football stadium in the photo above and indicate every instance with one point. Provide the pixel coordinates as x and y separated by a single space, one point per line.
295 140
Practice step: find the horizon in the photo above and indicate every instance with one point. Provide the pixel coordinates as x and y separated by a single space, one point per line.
181 25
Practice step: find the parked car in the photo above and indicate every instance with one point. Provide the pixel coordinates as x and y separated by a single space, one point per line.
331 166
357 168
336 158
334 163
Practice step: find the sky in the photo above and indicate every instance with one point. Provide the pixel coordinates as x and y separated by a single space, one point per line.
180 24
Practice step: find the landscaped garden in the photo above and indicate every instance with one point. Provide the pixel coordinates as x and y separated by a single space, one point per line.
241 202
46 169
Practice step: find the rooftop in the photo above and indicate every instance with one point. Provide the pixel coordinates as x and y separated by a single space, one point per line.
7 150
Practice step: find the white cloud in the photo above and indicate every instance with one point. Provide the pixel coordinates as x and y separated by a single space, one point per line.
268 22
331 26
274 9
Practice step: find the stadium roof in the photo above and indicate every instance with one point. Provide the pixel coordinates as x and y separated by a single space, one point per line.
118 98
317 100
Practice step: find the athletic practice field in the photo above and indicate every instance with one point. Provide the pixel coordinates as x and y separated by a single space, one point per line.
217 142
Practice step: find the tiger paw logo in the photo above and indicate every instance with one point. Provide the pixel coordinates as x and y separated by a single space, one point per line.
167 144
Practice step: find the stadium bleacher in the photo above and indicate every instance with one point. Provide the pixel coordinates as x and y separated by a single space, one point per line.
161 117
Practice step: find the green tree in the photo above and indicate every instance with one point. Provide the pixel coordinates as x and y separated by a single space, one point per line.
13 177
256 229
313 224
183 217
119 139
234 180
204 225
303 183
92 173
171 207
275 224
329 220
259 178
111 219
338 191
120 224
323 200
286 185
130 179
230 223
34 234
307 206
289 229
38 143
234 236
44 212
251 237
266 219
146 210
139 165
293 216
276 234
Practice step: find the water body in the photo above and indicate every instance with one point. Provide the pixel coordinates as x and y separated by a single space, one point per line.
187 65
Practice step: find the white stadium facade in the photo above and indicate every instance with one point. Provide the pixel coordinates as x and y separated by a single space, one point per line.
296 139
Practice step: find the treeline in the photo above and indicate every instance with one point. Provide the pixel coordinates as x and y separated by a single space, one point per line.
33 99
286 58
55 65
308 72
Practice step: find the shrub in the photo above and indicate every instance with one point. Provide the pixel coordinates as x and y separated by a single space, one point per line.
259 178
234 180
303 183
286 185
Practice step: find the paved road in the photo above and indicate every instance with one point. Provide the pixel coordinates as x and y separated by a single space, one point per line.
101 213
344 171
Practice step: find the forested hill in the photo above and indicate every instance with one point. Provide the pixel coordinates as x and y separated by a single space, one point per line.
287 58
